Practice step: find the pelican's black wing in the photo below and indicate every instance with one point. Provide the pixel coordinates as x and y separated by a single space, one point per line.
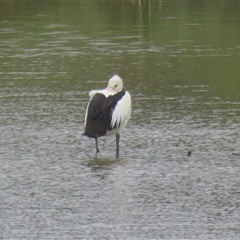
99 114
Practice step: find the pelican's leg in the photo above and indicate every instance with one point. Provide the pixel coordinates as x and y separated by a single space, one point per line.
97 150
117 144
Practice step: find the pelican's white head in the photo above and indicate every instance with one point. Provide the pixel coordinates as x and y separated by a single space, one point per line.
115 84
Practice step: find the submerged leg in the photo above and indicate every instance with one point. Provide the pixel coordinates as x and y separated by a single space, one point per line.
97 150
117 144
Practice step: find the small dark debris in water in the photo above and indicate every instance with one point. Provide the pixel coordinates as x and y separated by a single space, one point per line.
236 154
189 153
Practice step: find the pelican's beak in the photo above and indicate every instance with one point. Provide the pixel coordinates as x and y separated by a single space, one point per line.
110 89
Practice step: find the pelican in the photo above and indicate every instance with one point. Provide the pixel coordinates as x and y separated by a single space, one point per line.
108 111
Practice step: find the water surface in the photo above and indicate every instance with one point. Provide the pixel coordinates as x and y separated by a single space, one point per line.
180 62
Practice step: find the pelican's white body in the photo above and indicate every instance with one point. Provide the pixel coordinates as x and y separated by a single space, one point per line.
121 113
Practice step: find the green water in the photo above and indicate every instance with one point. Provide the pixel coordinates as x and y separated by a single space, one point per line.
180 62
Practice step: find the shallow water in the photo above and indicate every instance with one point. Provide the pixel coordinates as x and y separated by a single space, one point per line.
180 62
